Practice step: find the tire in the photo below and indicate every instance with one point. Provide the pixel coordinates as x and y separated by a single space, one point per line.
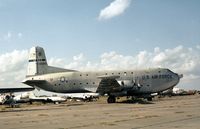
111 99
149 99
31 102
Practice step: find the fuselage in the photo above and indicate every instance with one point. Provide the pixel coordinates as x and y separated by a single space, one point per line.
138 81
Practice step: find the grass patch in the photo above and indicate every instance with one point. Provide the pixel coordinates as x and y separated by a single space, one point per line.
179 112
43 115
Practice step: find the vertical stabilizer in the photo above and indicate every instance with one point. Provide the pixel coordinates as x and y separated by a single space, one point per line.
37 63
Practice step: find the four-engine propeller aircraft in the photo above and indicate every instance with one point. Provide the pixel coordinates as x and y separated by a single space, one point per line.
138 83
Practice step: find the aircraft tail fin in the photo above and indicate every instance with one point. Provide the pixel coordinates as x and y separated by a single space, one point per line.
37 63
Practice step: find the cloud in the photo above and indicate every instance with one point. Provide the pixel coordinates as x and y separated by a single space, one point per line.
19 35
117 7
13 68
8 36
198 46
12 61
77 60
79 57
179 59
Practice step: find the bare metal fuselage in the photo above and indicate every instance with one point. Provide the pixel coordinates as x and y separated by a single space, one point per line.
133 81
140 83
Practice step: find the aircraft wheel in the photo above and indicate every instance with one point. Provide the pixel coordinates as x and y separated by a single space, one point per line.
44 102
12 106
111 99
31 102
149 99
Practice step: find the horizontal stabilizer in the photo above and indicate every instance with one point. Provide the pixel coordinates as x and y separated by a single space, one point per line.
34 82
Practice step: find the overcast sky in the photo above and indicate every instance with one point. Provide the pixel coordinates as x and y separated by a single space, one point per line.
104 34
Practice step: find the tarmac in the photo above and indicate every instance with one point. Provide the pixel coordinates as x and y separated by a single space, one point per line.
180 112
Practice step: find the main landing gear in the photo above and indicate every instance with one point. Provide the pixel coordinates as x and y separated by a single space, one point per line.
149 99
111 99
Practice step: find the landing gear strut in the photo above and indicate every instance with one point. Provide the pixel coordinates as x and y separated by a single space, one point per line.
111 99
149 99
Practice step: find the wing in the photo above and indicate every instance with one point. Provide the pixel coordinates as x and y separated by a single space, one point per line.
108 84
12 90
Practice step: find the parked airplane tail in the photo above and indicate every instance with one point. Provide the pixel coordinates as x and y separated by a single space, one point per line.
37 63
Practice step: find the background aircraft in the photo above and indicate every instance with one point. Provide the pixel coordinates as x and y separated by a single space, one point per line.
175 91
83 96
137 83
7 97
46 99
31 97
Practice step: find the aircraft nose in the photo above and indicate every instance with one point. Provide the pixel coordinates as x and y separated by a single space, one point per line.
176 77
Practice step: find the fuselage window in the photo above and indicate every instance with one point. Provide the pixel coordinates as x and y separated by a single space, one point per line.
86 74
106 73
147 76
143 77
80 74
62 79
119 73
93 82
168 76
112 73
131 72
74 83
161 76
155 76
80 83
87 83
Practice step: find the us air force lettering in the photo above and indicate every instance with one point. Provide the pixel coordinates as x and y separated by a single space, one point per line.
136 83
